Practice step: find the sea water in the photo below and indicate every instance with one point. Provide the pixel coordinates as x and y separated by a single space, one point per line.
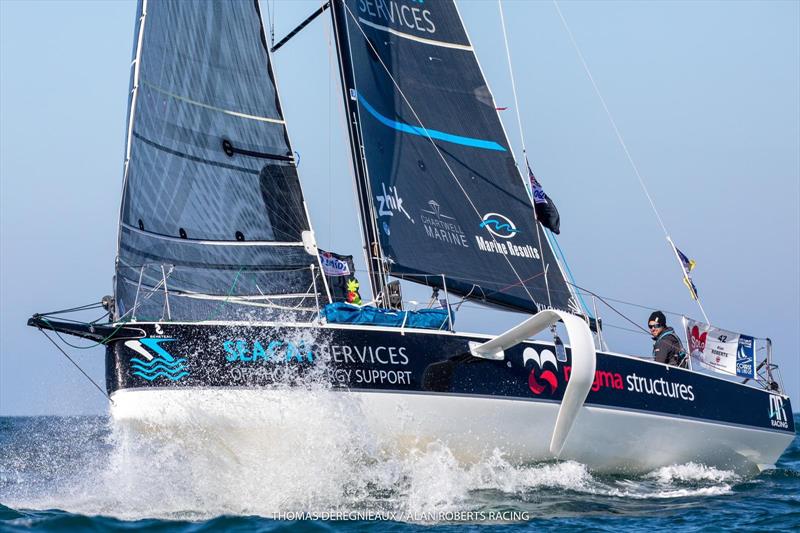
323 470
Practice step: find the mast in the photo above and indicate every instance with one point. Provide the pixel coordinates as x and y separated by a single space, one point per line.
371 243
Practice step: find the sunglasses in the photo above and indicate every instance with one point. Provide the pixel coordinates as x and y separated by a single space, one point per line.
654 326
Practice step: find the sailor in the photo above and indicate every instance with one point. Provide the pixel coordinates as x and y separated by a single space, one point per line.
667 347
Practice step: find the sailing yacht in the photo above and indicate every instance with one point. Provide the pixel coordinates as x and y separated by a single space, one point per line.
221 292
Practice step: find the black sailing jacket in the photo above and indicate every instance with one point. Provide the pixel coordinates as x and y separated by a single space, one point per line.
668 348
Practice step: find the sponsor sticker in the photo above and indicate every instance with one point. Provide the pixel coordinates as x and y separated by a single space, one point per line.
390 203
543 377
276 350
502 227
394 14
777 413
723 351
499 225
155 362
745 357
442 227
333 266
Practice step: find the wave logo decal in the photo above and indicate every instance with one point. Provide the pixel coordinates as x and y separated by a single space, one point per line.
499 225
541 379
162 364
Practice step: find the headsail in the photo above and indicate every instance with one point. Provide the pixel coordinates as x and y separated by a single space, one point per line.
442 193
212 208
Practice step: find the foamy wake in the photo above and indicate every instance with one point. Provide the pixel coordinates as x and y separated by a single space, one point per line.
302 453
691 472
315 457
678 481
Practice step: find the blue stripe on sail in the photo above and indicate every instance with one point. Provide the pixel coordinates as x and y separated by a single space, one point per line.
433 134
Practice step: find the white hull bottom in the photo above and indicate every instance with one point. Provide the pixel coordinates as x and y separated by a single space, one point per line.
604 439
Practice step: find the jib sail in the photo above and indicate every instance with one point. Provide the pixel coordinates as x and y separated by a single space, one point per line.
439 189
213 218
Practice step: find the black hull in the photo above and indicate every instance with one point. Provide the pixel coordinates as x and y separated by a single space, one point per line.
378 359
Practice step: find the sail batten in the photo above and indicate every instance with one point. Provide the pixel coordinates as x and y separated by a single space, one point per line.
211 107
448 201
212 203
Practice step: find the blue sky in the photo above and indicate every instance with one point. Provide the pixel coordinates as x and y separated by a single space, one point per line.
706 95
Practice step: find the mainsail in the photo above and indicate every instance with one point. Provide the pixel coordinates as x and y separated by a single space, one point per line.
213 219
442 200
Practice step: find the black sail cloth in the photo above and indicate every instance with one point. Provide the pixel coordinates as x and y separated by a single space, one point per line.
445 194
212 206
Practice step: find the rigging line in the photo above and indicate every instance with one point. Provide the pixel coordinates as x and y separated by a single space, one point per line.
102 342
288 217
144 298
610 307
579 291
331 234
94 305
629 330
513 81
640 306
274 11
622 143
230 292
503 289
610 117
271 22
101 317
464 299
550 235
435 147
235 301
93 382
62 319
524 148
62 339
240 297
